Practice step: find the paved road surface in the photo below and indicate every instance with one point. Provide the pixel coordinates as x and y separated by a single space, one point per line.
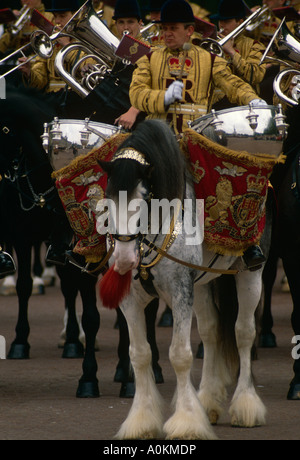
37 396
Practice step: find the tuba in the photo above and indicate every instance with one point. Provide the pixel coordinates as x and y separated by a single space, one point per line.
285 48
95 40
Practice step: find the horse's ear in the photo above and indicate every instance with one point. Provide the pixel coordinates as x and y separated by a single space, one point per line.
107 166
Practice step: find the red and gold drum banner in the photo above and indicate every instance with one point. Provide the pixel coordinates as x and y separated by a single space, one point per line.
81 185
234 187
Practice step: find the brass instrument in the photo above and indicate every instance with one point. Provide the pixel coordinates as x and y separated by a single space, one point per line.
148 34
215 46
285 48
40 43
25 15
265 15
91 36
96 41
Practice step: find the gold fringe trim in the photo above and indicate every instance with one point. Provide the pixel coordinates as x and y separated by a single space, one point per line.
248 159
89 159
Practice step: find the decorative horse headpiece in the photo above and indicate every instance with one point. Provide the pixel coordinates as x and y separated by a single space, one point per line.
130 154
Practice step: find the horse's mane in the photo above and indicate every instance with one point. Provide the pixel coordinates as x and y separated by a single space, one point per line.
157 142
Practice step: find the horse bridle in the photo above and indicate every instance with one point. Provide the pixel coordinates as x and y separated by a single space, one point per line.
162 252
13 177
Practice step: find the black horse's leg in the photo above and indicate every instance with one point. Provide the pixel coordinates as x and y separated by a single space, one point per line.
124 372
68 275
151 313
88 383
267 338
20 347
292 270
37 269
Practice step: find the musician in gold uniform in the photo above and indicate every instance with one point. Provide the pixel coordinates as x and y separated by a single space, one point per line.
41 74
242 53
11 42
155 89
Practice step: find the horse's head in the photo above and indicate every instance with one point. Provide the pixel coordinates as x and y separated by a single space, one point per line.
148 164
128 188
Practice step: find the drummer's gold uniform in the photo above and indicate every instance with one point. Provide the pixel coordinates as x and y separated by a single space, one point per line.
157 71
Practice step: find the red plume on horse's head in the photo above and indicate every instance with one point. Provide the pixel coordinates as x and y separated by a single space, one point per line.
114 287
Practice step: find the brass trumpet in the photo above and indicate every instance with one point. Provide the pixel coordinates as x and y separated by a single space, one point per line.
25 15
147 33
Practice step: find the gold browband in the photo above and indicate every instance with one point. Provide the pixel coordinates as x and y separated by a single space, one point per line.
130 154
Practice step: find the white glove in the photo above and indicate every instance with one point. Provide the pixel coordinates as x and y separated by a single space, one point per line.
258 102
173 93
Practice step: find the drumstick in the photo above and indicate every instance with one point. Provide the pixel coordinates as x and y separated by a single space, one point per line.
186 47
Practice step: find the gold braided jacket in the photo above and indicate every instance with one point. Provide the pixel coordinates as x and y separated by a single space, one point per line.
43 75
245 63
11 42
155 73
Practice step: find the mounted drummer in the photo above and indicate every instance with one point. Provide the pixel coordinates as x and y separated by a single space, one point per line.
175 82
242 53
156 88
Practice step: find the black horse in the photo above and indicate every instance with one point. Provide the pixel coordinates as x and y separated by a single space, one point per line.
30 213
286 240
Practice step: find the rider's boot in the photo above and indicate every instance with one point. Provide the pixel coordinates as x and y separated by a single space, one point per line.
254 258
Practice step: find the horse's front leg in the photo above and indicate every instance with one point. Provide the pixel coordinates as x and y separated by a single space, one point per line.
20 347
189 420
247 409
144 420
215 373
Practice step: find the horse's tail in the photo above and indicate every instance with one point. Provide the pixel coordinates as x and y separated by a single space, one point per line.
228 310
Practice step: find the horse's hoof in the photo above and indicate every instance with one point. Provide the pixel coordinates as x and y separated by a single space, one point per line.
267 340
73 350
18 351
87 390
200 351
294 392
127 390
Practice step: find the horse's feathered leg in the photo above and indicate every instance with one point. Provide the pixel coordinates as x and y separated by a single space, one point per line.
247 409
189 420
145 416
215 376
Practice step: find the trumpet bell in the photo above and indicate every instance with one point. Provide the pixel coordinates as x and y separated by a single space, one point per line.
41 44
